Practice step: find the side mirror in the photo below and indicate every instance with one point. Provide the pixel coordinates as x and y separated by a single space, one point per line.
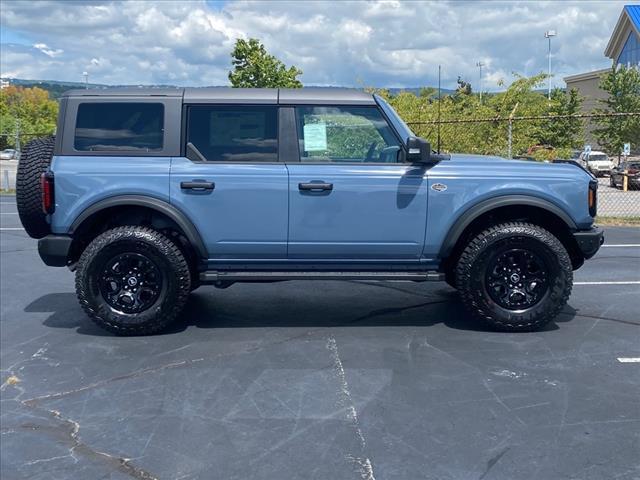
418 150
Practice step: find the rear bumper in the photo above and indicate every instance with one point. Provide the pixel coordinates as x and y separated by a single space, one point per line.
54 249
589 241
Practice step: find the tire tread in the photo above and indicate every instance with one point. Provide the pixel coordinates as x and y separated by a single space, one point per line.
534 318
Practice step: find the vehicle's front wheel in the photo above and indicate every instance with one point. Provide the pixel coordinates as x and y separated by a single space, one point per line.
515 276
132 281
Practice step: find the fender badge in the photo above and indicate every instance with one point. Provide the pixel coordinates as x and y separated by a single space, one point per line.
439 187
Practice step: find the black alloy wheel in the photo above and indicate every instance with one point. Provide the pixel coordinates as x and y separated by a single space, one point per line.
516 279
130 282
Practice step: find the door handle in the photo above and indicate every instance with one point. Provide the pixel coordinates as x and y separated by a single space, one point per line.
315 186
197 185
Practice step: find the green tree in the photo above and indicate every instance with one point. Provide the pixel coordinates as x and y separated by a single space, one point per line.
253 66
562 132
623 86
27 111
463 88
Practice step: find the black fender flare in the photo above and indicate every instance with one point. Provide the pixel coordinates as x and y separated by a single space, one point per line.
473 212
189 229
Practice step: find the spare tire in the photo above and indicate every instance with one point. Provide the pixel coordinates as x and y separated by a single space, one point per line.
34 161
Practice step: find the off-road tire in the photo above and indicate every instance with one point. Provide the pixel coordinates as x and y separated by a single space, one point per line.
34 161
472 269
163 252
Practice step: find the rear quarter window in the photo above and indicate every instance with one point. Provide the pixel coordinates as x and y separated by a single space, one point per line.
111 126
234 133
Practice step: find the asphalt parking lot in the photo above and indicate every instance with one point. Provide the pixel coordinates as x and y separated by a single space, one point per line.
319 380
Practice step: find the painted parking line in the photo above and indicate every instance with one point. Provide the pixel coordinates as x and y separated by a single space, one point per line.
8 213
629 359
622 245
11 228
630 282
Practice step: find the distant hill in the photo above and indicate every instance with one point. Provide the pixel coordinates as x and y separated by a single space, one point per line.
57 88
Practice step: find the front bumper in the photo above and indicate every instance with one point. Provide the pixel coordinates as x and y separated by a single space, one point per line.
589 241
54 249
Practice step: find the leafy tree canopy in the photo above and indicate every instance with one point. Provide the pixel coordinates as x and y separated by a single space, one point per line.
253 66
623 86
25 111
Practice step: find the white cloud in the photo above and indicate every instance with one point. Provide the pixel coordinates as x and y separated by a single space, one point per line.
46 50
384 43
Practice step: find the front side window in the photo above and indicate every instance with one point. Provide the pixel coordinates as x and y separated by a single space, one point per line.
114 126
234 133
345 134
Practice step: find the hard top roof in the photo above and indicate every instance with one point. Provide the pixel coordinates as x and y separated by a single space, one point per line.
286 96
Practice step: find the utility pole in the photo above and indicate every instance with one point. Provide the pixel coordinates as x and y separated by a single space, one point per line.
548 35
480 65
439 102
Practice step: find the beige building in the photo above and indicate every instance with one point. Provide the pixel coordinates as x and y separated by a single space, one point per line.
623 48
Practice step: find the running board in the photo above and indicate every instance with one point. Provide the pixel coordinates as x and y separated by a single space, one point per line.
256 276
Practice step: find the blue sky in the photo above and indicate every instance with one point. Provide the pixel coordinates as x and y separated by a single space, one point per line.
373 43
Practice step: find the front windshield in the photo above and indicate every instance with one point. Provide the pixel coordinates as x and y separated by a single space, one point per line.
401 127
597 157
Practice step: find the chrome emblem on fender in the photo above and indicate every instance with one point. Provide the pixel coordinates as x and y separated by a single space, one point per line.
439 187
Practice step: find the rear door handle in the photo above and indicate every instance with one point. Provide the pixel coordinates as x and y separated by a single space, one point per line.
197 185
315 186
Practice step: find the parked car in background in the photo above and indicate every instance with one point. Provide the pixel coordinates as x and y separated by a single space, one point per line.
597 163
9 154
616 179
571 161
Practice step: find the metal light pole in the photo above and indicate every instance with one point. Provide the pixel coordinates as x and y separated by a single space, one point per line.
86 80
480 65
548 35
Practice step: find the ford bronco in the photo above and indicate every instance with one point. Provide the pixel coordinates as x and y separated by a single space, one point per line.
149 193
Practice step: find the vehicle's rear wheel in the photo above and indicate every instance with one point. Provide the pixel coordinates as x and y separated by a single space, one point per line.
34 161
132 281
515 276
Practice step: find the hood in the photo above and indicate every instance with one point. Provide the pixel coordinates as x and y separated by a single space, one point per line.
503 166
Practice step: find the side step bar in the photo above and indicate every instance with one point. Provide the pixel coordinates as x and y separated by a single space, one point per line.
256 276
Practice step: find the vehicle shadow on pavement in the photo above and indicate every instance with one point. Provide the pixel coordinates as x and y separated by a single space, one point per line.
205 310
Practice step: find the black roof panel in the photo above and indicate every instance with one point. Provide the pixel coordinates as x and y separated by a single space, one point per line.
325 96
230 95
286 96
126 92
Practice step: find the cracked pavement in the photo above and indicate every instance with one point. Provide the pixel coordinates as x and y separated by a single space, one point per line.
318 380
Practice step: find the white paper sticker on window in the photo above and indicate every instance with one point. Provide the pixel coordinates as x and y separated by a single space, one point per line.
315 137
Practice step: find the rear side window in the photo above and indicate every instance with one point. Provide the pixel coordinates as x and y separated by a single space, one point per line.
224 133
119 127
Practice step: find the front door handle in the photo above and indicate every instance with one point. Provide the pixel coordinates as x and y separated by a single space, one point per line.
197 185
315 186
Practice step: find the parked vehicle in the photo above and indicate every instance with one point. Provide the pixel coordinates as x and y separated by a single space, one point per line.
148 194
9 154
633 175
597 163
575 162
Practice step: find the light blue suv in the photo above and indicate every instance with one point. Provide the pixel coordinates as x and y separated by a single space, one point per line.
149 193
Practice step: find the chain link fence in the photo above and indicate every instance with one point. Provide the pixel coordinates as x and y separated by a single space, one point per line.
518 138
11 145
512 137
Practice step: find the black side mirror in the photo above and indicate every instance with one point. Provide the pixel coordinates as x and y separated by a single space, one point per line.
418 150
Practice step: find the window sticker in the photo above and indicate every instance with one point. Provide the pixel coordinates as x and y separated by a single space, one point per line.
315 137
